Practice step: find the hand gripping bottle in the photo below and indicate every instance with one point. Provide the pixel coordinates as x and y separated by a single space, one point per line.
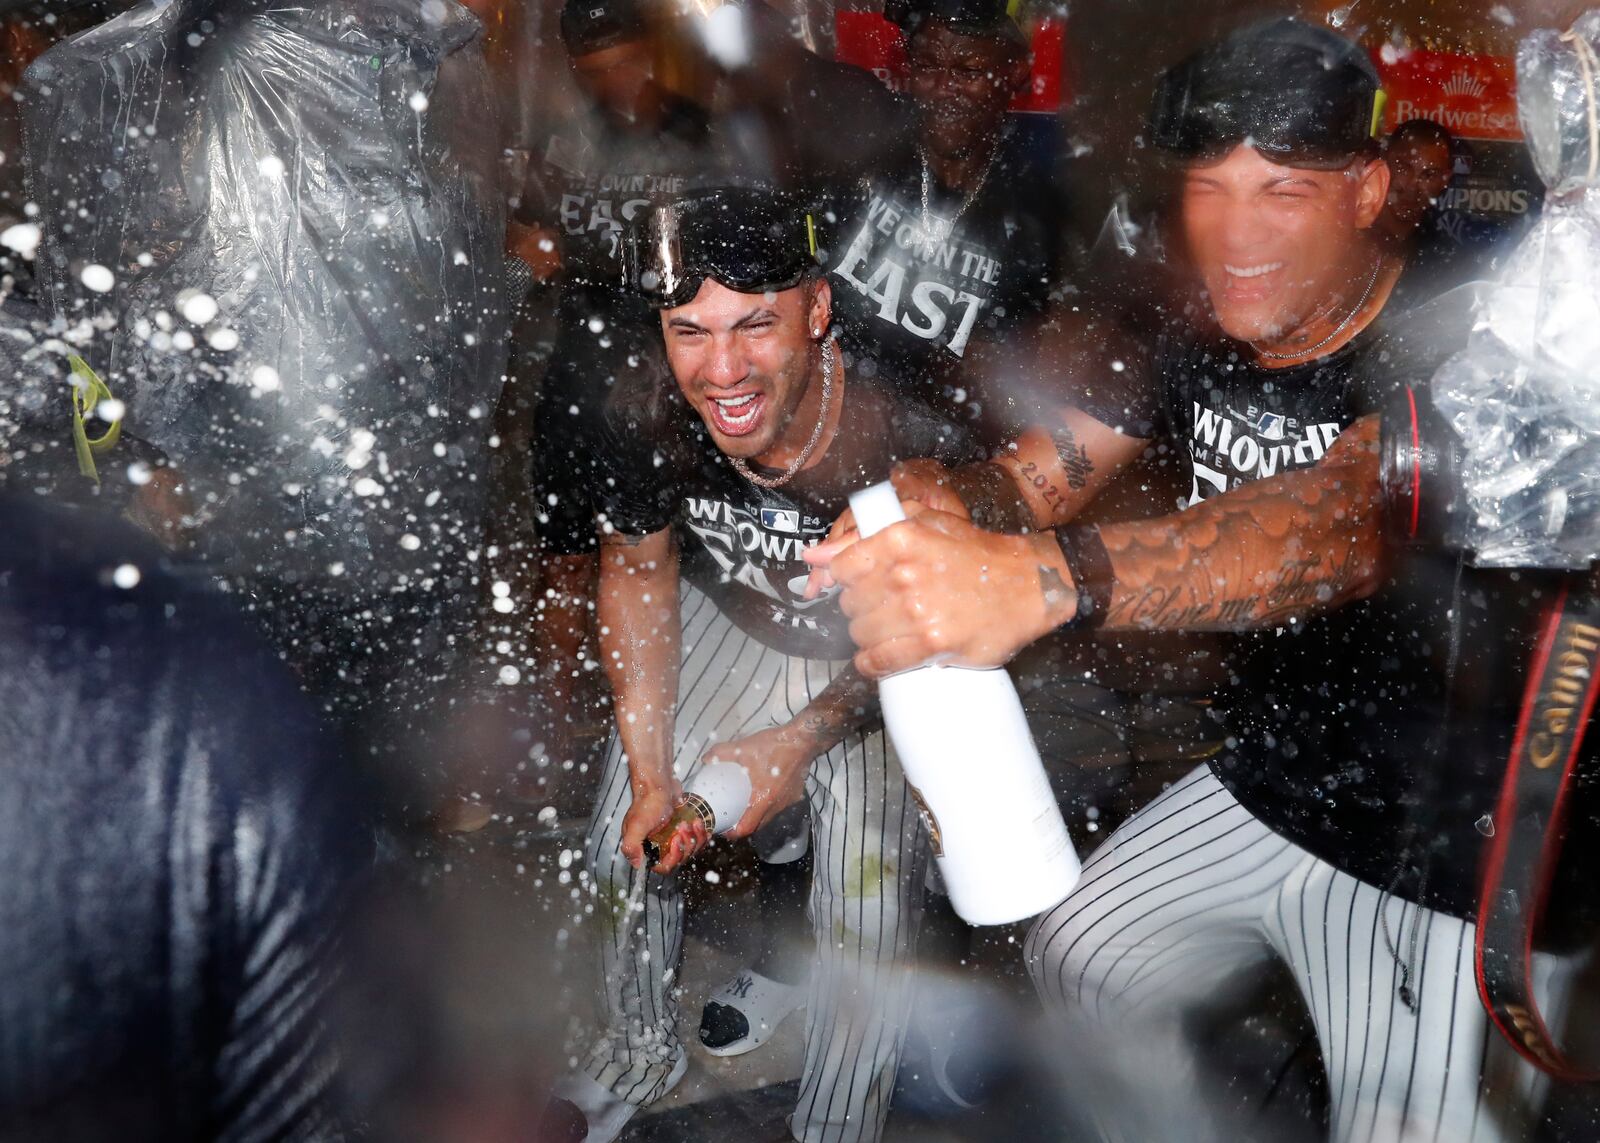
718 795
972 766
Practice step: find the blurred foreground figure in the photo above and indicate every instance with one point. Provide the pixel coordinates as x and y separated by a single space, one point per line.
1339 831
716 486
178 855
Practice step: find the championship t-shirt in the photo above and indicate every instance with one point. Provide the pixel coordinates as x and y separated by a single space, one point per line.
743 545
1341 733
913 290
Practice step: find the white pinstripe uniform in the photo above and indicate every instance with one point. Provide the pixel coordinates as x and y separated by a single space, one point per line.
1194 892
870 857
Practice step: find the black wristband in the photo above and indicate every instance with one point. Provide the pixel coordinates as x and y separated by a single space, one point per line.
992 498
1090 565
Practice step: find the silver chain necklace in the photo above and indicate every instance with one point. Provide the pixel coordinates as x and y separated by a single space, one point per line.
1337 330
935 229
799 462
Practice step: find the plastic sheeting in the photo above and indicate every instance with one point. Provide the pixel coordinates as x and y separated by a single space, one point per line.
1524 396
276 231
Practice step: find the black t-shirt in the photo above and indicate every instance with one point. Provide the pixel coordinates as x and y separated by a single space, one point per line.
593 180
1340 733
913 298
741 544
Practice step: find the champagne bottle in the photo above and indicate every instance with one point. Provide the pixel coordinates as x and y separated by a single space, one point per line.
717 796
971 765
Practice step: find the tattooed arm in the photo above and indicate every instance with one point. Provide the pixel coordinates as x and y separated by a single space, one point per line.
779 757
1261 555
1048 473
938 589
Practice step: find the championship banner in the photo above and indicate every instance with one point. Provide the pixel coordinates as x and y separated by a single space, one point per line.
868 40
1494 188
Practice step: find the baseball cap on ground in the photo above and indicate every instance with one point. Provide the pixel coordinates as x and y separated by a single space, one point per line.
594 25
1300 94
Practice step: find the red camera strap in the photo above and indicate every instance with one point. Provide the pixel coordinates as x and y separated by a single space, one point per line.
1530 826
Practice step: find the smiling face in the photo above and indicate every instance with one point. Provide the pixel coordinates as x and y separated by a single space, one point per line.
745 362
962 86
1273 245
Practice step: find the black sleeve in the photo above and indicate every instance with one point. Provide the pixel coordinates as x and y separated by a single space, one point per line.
919 431
642 456
1412 346
566 467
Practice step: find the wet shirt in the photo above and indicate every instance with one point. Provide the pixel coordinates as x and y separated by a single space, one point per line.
591 183
179 850
1340 733
742 545
593 179
913 290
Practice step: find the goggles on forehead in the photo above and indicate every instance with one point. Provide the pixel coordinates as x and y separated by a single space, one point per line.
1298 101
750 240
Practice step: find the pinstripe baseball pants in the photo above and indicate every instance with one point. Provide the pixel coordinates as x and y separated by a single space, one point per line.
1193 892
866 893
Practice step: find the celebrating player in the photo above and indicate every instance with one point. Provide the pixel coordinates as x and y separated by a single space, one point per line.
716 488
1324 835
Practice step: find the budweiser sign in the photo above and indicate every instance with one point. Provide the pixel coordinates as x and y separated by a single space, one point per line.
1472 97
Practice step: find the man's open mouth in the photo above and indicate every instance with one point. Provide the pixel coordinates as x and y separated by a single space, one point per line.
736 416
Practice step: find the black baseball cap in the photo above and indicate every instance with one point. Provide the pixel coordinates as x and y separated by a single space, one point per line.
749 238
594 25
1303 95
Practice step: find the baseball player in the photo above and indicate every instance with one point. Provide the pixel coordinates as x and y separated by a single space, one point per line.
715 490
1333 833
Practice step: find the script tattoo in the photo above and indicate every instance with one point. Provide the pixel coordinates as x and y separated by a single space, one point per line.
1075 460
849 701
1261 555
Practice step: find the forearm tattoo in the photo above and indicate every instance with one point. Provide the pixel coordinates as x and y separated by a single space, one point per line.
992 498
849 701
1261 555
1075 462
1059 599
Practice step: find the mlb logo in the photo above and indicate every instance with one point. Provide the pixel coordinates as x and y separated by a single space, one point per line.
1270 426
780 520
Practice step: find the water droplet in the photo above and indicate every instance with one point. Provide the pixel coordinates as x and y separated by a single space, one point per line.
98 278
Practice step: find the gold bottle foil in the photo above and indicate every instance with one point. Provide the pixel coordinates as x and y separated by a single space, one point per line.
693 808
